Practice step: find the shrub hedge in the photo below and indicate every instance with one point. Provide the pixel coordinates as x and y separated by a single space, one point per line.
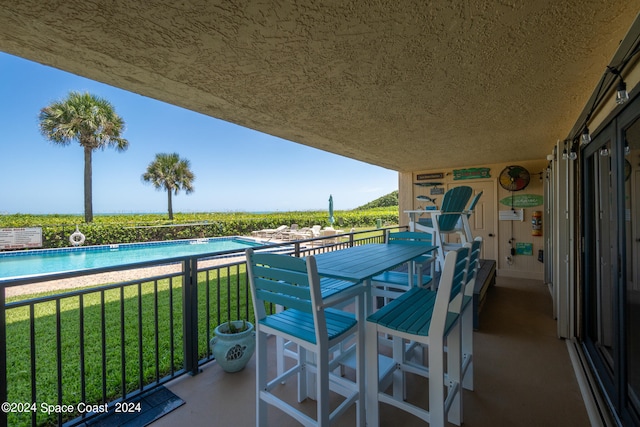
112 229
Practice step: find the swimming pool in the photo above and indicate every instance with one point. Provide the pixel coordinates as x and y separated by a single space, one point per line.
47 261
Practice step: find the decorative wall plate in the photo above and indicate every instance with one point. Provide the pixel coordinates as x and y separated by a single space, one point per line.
514 178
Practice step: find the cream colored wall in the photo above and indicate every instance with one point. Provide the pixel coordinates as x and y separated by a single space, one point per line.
524 266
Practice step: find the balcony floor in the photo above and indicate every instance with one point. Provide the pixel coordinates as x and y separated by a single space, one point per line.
523 375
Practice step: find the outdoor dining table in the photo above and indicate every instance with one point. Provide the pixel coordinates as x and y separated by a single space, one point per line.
359 264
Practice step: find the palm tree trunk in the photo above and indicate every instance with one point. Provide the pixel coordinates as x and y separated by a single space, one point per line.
88 199
170 205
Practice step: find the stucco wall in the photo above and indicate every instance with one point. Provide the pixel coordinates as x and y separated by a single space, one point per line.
500 235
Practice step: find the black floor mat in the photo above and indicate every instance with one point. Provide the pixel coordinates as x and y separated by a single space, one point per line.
153 405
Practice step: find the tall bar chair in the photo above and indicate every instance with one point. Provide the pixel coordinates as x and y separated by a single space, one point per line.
466 236
432 319
467 313
449 219
391 284
307 322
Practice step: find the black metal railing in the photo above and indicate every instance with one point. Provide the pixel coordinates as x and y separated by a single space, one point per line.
68 356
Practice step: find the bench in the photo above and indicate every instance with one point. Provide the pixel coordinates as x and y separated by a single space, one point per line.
486 278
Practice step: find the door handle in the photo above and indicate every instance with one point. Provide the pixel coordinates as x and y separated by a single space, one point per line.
492 235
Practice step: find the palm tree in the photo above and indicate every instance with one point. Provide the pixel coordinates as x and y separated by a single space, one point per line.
90 120
171 173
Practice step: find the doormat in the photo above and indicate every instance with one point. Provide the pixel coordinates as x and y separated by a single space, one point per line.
153 405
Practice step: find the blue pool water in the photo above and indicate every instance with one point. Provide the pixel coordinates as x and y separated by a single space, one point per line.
47 261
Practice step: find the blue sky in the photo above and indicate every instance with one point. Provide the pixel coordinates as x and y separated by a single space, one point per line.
236 169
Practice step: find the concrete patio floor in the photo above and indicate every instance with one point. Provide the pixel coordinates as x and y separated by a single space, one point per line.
523 375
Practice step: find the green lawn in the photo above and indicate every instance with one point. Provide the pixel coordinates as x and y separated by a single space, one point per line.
115 327
110 319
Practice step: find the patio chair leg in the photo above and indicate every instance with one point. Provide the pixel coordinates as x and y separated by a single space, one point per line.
360 365
303 374
454 366
280 356
371 344
322 379
467 349
436 383
261 378
399 389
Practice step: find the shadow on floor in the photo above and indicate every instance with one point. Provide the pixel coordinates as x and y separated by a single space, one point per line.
523 375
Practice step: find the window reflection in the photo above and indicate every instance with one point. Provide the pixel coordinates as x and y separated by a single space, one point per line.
606 255
611 269
631 141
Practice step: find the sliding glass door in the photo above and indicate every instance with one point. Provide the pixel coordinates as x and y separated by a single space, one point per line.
630 137
611 260
600 273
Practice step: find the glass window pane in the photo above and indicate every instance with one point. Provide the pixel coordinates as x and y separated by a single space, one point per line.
601 255
631 142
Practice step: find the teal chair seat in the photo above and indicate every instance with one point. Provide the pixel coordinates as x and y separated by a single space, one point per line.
411 313
300 324
399 278
390 284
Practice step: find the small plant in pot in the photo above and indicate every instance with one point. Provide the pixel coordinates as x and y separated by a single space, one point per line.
233 344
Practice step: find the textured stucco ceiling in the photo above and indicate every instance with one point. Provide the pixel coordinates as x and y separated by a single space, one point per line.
407 85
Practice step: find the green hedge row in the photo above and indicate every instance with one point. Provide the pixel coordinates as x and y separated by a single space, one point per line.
112 229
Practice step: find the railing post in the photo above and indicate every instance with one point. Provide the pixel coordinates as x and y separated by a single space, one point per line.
190 314
3 355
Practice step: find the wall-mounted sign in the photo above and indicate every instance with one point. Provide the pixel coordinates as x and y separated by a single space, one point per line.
472 173
511 215
20 238
424 176
524 249
437 190
523 200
